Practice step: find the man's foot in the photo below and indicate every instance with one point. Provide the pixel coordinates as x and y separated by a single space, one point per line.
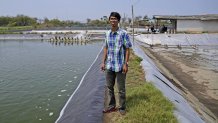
122 111
113 109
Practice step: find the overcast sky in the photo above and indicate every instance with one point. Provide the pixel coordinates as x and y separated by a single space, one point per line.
80 10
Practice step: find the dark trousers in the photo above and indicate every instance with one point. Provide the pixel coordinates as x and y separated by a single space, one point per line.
111 76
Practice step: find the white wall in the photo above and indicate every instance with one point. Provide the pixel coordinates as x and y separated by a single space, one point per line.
210 26
197 26
189 26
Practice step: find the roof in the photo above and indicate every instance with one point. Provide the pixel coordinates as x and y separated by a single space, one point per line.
190 17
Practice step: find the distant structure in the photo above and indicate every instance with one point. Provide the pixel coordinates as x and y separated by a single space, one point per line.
191 24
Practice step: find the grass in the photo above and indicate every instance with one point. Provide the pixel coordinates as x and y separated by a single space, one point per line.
10 30
145 104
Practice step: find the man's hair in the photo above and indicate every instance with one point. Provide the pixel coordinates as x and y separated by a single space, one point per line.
115 14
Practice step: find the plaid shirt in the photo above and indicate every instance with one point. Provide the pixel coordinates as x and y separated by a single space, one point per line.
116 43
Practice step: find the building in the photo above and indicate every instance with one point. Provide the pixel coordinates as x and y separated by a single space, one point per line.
191 24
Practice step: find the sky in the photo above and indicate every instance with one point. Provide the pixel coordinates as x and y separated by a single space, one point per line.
81 10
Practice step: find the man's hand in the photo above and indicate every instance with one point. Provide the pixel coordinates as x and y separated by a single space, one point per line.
125 68
103 67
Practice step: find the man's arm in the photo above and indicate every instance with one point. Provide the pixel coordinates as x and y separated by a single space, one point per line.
127 55
125 66
104 59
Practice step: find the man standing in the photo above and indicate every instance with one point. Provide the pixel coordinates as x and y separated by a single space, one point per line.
115 63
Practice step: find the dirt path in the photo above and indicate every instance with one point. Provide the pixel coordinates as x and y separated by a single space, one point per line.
198 84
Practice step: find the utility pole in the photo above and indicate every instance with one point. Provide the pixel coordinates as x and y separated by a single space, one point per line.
132 25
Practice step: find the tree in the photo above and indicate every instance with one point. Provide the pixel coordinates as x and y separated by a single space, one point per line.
105 18
88 20
129 20
146 18
46 20
4 21
56 22
98 23
22 20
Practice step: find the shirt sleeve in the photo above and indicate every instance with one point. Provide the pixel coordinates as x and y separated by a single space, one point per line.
127 42
105 40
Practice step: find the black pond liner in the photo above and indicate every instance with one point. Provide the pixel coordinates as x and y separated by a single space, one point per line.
183 111
87 102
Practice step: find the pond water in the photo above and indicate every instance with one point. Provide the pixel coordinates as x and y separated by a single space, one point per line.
37 78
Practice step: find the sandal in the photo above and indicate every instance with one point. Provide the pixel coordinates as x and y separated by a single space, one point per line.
122 111
109 110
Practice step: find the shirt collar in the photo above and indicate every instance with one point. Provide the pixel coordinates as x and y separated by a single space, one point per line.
116 32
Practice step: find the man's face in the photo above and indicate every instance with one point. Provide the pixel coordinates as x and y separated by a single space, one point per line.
113 21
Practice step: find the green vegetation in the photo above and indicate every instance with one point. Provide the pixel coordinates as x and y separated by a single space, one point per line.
20 23
14 30
19 20
145 104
